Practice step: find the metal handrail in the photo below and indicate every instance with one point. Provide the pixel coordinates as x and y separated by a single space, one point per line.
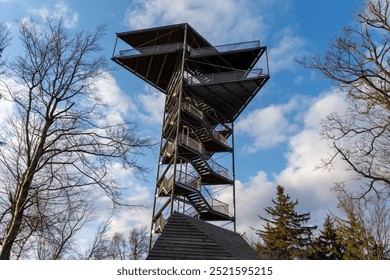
222 77
199 114
167 184
219 169
159 224
193 144
168 149
152 49
220 206
189 180
197 146
194 51
225 48
216 204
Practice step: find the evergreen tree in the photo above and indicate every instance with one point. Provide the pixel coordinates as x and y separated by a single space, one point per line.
328 243
353 240
354 230
284 236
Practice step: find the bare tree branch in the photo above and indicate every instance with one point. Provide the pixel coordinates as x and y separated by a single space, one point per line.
358 62
59 144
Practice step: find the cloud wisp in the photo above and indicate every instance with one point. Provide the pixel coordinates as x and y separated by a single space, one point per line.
60 10
211 18
225 21
270 126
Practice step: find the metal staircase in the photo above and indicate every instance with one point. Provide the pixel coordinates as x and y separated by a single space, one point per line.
189 190
205 130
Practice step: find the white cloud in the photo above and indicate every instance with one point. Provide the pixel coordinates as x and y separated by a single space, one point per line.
152 105
117 105
7 107
226 21
312 185
301 177
329 102
135 194
145 108
307 149
137 216
60 11
128 219
252 197
211 18
288 47
269 126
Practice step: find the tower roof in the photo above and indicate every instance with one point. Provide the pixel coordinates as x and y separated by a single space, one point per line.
221 76
164 35
184 237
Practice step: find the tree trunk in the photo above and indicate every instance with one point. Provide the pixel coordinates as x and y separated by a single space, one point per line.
15 224
18 205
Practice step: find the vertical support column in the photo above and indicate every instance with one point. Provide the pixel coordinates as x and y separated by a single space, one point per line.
175 163
234 182
266 57
157 175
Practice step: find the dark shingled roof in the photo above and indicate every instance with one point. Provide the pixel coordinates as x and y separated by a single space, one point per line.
184 237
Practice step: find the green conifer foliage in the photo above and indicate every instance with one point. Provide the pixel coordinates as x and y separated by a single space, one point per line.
283 235
358 243
328 243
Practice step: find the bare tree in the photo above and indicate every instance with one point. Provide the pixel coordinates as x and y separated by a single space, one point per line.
365 227
99 246
120 246
358 62
5 37
59 144
138 243
57 240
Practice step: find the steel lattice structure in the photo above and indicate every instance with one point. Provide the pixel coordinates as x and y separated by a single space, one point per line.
206 88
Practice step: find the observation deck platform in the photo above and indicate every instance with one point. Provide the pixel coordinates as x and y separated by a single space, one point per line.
222 76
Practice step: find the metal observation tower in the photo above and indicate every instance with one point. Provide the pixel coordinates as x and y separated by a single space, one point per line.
206 88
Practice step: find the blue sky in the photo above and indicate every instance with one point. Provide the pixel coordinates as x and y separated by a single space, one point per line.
277 136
